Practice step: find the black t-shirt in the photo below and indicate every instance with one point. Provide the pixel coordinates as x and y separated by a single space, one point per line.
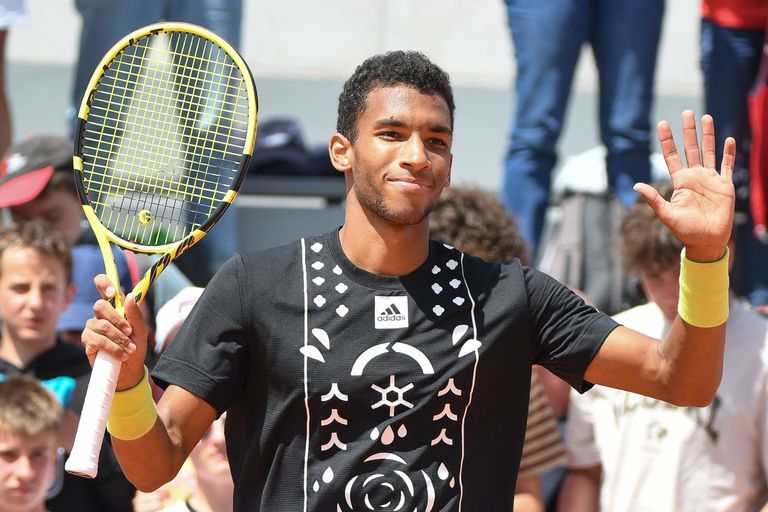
346 390
64 362
110 490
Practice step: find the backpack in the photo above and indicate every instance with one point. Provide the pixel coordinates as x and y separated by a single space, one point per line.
580 249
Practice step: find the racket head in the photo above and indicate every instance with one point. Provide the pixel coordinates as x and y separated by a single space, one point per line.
164 135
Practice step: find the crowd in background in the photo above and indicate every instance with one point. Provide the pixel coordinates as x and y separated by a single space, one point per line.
621 452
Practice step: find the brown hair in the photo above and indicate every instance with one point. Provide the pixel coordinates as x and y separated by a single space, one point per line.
40 236
475 222
27 408
647 245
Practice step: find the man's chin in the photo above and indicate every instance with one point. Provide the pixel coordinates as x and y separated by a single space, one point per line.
36 338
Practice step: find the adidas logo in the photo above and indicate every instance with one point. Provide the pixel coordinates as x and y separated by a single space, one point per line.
391 312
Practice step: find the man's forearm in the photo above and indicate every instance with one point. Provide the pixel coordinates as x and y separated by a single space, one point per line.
156 457
151 460
691 363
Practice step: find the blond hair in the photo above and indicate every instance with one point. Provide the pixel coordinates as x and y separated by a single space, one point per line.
42 237
27 408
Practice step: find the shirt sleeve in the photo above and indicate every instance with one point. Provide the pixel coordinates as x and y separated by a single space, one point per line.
580 446
568 333
209 355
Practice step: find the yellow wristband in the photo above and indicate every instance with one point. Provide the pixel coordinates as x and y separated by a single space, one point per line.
133 411
703 291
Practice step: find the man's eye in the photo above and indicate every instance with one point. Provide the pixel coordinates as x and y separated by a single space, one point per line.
436 141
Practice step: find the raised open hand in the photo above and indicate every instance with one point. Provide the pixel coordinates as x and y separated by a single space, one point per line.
700 212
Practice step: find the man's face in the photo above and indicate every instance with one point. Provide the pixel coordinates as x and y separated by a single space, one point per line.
33 293
401 159
664 290
57 207
27 469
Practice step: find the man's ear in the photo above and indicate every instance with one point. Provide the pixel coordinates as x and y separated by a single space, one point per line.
340 150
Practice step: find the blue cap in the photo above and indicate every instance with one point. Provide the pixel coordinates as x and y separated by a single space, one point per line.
86 264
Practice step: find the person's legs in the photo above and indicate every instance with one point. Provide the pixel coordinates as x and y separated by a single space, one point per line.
729 61
224 17
104 23
625 43
547 36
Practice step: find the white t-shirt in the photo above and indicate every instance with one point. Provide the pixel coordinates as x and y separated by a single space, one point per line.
658 457
12 12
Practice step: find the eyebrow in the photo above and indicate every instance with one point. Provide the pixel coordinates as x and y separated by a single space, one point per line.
396 123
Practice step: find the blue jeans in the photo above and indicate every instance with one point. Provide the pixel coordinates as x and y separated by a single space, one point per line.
730 60
548 36
104 23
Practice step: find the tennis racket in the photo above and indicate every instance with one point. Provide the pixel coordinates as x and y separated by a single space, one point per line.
163 139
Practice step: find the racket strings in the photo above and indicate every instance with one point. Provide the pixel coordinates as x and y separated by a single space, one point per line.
164 137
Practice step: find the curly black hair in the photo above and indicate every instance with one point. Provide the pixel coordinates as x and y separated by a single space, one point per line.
394 68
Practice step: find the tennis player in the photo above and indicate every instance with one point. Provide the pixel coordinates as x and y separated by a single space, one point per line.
370 368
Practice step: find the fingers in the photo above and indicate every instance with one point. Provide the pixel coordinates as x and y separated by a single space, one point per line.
690 139
668 148
708 142
108 331
652 197
105 286
729 158
135 318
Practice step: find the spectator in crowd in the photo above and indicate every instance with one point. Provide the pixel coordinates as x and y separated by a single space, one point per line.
731 45
30 422
35 289
104 22
548 37
36 182
628 453
475 222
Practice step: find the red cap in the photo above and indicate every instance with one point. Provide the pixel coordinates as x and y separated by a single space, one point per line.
28 166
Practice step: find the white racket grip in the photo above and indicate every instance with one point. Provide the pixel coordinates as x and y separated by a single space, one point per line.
84 458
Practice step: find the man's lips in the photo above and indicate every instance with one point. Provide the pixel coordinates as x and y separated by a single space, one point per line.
410 184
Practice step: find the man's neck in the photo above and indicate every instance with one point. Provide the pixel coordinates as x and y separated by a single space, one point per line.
384 248
21 353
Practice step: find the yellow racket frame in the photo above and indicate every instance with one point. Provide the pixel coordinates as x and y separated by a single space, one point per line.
83 459
170 250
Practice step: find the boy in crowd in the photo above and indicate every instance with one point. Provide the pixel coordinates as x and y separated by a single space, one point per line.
30 422
35 289
627 452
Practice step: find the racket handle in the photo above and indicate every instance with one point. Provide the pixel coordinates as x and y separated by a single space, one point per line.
84 458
